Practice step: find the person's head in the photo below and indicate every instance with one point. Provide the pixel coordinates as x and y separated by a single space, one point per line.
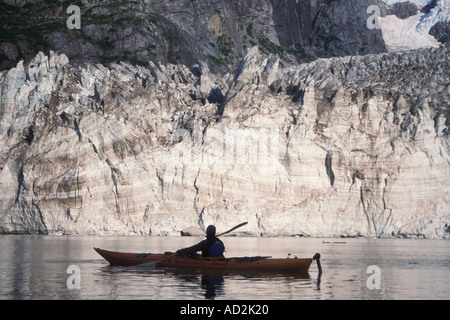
210 231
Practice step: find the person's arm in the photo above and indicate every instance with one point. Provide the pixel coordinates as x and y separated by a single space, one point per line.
193 249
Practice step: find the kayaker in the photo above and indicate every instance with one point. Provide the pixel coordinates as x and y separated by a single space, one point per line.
210 247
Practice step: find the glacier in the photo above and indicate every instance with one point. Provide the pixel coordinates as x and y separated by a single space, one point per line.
351 146
413 32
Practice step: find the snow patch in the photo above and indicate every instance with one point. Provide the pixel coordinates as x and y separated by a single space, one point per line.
413 32
400 35
419 2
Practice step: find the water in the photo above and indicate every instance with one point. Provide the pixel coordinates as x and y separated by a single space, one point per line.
35 267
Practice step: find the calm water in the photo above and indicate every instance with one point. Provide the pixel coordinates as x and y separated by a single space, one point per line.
35 267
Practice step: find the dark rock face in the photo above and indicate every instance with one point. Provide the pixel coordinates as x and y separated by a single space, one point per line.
187 32
340 29
404 10
441 31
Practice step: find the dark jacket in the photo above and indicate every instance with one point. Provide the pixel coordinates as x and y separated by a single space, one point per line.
203 246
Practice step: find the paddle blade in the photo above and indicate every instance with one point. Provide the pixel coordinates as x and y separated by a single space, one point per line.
150 265
232 229
153 264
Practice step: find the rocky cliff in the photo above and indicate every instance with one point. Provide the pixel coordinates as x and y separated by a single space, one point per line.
352 146
190 31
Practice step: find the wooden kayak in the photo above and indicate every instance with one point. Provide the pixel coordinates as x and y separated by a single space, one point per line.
173 261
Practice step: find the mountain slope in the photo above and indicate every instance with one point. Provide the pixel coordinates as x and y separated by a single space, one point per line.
188 32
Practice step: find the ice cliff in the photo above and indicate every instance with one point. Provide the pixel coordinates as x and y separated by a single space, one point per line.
351 146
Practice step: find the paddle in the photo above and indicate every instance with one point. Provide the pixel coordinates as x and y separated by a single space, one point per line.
232 229
153 264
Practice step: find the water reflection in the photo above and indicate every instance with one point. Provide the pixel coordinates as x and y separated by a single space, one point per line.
211 284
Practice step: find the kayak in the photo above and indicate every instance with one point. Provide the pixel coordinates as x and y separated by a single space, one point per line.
174 261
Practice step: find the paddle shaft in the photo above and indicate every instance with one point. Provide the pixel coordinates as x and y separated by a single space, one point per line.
232 229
